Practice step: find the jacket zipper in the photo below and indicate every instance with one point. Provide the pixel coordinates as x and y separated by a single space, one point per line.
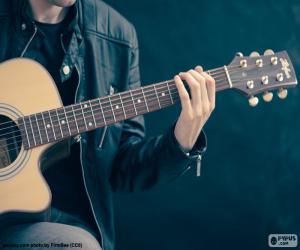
198 165
29 41
111 91
62 44
105 128
88 195
102 137
83 174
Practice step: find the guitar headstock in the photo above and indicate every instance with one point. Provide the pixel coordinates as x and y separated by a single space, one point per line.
256 74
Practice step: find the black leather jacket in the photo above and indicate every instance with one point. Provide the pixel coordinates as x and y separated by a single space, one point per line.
103 52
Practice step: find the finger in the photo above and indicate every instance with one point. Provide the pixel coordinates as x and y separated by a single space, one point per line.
194 87
211 89
199 69
183 94
205 105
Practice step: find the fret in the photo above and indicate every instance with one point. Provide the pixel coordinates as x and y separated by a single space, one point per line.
55 124
102 112
145 99
133 102
39 130
59 123
75 121
33 136
112 110
82 111
67 120
26 132
128 104
170 92
121 100
165 99
95 123
45 127
151 98
63 124
175 94
157 96
116 106
88 116
49 125
71 120
79 117
138 101
97 111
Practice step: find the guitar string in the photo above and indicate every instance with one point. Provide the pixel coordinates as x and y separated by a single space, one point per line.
110 98
107 117
151 103
222 77
219 74
109 109
45 138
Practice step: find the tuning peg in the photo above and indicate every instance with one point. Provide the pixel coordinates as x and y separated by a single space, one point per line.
243 63
279 77
268 96
282 93
269 52
259 63
253 101
265 80
239 54
254 54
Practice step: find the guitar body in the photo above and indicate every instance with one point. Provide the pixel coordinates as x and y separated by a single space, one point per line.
26 88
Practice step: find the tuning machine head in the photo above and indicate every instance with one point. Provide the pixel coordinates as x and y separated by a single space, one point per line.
253 101
260 74
269 52
254 54
282 93
268 96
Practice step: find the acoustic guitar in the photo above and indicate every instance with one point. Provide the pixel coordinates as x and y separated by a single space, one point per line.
33 119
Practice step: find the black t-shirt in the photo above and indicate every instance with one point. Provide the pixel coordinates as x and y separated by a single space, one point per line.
64 177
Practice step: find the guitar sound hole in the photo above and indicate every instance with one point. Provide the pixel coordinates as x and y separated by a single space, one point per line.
10 141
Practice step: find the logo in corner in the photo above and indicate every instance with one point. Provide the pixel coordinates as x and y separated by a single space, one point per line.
283 240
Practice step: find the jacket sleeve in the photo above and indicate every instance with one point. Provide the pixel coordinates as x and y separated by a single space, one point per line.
143 162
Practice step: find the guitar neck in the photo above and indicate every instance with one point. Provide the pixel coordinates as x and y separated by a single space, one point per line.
61 123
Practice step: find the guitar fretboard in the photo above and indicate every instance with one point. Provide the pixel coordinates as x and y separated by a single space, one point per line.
61 123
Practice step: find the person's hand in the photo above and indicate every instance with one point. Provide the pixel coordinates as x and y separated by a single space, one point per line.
195 111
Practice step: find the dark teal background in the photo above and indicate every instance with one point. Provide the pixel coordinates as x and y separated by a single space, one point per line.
250 183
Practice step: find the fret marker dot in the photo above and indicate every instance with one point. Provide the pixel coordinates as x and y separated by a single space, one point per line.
48 126
139 100
85 105
117 106
90 124
63 122
163 94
